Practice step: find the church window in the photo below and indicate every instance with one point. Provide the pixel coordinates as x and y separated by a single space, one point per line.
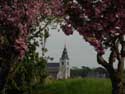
62 63
67 63
67 69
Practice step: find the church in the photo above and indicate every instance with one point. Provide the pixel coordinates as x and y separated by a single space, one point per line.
61 69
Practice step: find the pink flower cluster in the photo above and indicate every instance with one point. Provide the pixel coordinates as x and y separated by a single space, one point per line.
17 16
20 16
56 7
98 21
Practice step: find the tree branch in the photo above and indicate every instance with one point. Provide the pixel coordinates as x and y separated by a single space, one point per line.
105 64
36 33
120 67
122 41
43 28
112 57
101 60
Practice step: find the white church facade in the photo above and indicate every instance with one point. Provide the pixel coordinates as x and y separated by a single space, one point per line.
61 69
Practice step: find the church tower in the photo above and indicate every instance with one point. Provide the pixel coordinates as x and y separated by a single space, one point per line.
64 65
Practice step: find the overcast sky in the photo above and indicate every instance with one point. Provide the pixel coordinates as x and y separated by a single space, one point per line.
80 52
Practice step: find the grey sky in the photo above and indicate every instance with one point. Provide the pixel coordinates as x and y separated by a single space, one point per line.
80 52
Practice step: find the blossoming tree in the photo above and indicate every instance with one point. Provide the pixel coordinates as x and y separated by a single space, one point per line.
102 24
16 19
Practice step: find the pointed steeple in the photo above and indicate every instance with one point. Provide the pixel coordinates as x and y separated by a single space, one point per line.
64 53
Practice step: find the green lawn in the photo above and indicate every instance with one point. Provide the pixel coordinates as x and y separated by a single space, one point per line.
75 86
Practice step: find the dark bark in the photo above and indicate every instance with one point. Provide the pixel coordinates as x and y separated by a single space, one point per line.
3 75
116 76
8 58
117 83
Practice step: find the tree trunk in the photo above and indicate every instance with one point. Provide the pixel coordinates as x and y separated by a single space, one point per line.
124 87
8 58
116 75
117 85
5 67
117 88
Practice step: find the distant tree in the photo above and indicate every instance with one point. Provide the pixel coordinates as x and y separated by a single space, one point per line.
76 72
85 71
100 69
102 24
80 72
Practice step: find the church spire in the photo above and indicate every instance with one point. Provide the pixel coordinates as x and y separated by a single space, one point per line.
64 53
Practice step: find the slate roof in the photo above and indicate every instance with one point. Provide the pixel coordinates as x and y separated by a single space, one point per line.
64 54
52 64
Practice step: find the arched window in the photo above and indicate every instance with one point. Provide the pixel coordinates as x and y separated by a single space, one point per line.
62 63
67 63
67 69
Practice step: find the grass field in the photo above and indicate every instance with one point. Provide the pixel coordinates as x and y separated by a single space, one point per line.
75 86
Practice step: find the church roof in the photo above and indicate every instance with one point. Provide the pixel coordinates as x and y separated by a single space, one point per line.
52 64
64 54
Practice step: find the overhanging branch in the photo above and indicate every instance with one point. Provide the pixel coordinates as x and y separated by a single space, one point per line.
120 67
112 57
116 49
101 60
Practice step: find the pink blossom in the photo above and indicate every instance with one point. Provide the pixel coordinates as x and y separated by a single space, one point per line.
67 29
96 21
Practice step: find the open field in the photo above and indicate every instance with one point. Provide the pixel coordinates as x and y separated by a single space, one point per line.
75 86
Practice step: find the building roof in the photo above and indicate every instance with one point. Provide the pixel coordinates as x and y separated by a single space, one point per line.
53 68
64 54
52 64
